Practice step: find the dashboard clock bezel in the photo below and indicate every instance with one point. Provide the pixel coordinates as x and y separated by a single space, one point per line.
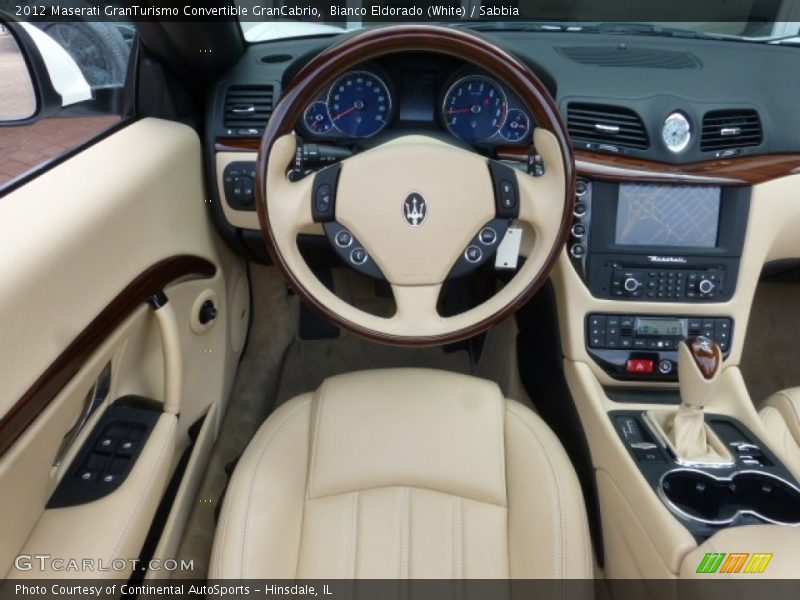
680 117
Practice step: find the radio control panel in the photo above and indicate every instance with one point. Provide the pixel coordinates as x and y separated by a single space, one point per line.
644 347
679 285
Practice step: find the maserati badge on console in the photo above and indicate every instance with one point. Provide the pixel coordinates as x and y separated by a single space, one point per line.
414 209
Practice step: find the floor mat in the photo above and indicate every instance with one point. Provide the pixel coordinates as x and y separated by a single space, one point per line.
309 362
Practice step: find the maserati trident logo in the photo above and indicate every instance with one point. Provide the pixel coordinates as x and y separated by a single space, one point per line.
415 209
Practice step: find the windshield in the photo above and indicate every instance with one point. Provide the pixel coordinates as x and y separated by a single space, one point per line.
765 21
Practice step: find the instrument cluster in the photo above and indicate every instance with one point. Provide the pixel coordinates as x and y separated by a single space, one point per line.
471 105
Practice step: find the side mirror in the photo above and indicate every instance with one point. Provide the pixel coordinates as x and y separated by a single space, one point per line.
39 76
18 101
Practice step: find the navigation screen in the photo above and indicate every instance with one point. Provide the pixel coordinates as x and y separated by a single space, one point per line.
666 215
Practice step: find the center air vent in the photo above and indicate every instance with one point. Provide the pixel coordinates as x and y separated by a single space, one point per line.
605 127
247 109
729 129
626 56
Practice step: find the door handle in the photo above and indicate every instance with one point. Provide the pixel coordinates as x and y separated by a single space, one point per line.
94 399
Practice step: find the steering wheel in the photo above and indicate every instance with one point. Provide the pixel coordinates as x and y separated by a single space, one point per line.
414 210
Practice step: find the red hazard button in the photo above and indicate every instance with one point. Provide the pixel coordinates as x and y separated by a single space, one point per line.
639 365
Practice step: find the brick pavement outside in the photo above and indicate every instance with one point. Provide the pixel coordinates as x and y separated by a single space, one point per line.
26 146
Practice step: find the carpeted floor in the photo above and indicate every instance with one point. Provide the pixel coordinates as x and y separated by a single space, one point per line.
309 363
772 348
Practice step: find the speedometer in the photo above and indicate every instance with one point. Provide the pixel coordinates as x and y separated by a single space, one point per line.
359 104
474 108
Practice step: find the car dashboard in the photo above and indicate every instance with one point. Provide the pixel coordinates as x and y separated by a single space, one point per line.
671 137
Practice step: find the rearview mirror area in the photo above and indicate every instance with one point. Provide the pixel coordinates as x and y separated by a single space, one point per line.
17 93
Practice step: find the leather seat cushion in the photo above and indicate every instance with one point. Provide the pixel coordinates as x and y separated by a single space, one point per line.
781 417
403 473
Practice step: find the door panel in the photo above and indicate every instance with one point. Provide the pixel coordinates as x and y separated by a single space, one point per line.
83 245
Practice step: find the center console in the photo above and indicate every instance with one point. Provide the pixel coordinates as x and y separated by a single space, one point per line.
754 488
656 243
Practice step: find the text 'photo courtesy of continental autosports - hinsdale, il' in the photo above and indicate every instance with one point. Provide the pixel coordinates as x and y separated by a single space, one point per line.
367 299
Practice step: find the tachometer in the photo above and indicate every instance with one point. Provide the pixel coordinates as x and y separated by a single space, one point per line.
317 119
359 104
474 108
516 126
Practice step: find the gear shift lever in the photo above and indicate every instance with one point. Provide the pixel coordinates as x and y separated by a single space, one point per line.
699 362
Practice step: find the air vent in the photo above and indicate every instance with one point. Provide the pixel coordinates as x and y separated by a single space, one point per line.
606 127
729 129
247 109
626 56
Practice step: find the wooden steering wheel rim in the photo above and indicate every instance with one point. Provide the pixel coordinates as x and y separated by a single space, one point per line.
369 44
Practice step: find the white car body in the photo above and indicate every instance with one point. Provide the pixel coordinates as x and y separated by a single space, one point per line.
64 72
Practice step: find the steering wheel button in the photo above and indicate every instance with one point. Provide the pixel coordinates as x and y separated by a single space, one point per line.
358 256
473 254
323 198
344 238
487 236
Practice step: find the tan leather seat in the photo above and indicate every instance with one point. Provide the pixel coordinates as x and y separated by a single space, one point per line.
403 473
781 417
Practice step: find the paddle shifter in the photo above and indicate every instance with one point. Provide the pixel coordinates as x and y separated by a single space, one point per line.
699 362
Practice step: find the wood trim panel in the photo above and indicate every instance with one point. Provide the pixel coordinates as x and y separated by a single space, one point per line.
45 389
372 43
237 145
745 170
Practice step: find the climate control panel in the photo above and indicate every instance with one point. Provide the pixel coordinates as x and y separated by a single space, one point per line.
642 347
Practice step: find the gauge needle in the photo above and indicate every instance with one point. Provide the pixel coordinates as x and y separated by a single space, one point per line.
342 114
458 110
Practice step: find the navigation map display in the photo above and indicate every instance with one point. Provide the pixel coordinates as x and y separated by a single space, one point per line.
685 216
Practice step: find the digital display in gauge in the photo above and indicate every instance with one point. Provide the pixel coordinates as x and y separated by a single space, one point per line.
359 104
317 119
474 108
516 126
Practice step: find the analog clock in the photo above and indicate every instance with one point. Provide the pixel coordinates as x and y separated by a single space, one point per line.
676 132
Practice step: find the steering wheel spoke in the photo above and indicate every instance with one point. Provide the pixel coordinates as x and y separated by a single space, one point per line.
416 304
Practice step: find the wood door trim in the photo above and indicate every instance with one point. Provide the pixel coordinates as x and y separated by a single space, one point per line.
45 389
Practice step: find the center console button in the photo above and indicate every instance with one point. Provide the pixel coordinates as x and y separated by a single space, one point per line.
705 286
665 367
578 250
578 230
580 209
639 366
631 284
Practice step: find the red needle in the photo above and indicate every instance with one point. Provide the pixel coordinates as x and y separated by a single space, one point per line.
342 114
458 110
